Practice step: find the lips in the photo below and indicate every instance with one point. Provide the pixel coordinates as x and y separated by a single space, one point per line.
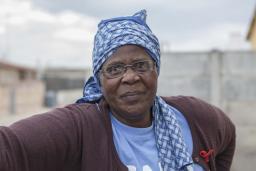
131 96
132 93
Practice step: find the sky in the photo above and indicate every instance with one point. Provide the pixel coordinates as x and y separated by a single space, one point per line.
59 33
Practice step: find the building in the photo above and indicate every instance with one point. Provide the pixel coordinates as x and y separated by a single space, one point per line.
20 90
64 85
251 35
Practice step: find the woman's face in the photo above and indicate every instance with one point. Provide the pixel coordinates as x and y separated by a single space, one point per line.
130 95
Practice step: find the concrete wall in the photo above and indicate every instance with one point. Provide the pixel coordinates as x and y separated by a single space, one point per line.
4 97
225 79
25 97
64 97
63 85
64 78
8 77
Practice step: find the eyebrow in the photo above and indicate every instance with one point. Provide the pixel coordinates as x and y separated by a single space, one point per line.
120 62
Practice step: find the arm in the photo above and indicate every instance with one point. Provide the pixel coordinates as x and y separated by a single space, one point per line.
10 152
225 157
220 133
43 142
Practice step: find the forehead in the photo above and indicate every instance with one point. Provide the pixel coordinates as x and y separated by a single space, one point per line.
127 54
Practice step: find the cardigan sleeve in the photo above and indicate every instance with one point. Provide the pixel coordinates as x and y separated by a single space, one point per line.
224 158
220 135
42 142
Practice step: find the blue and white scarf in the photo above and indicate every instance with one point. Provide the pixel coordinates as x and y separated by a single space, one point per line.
113 33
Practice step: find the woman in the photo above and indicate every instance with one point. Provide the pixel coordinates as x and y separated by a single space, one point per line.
120 124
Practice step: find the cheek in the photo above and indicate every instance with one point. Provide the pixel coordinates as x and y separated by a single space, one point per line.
153 88
151 81
108 88
103 85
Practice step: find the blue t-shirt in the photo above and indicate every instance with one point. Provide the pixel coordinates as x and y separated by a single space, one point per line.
137 149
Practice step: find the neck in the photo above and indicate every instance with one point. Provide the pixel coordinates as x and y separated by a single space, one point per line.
141 121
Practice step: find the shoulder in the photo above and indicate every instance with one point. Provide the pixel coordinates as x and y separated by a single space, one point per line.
198 109
80 108
83 112
206 121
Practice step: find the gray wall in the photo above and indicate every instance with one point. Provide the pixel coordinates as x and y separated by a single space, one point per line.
225 79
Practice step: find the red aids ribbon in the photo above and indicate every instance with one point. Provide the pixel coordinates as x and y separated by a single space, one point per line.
206 154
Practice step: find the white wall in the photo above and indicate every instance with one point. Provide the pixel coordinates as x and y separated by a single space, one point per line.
225 79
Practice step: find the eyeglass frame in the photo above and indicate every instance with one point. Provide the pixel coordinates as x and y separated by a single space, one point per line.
126 66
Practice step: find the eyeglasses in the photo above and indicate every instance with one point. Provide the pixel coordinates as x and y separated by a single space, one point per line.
118 70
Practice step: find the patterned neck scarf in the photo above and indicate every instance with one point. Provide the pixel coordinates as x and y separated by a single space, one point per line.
113 33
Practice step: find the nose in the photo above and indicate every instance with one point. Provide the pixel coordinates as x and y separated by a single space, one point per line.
130 76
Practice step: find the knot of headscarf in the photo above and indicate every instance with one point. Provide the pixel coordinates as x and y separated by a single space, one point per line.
113 33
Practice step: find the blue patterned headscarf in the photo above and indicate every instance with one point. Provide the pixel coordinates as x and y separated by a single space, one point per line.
113 33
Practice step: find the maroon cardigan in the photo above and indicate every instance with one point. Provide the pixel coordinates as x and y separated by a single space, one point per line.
78 137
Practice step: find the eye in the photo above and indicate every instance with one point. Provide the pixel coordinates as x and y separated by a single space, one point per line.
114 69
141 66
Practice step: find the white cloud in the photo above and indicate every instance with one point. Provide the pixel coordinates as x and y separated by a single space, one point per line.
68 18
222 36
41 16
21 13
12 12
75 27
14 7
219 36
17 20
2 30
37 35
74 34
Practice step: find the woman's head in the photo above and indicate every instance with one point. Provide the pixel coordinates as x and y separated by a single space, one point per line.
126 64
116 32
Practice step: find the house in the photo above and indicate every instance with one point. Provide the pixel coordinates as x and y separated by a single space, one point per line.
251 35
20 90
64 85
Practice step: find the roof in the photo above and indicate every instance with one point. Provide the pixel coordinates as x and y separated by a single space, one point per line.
251 25
7 65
